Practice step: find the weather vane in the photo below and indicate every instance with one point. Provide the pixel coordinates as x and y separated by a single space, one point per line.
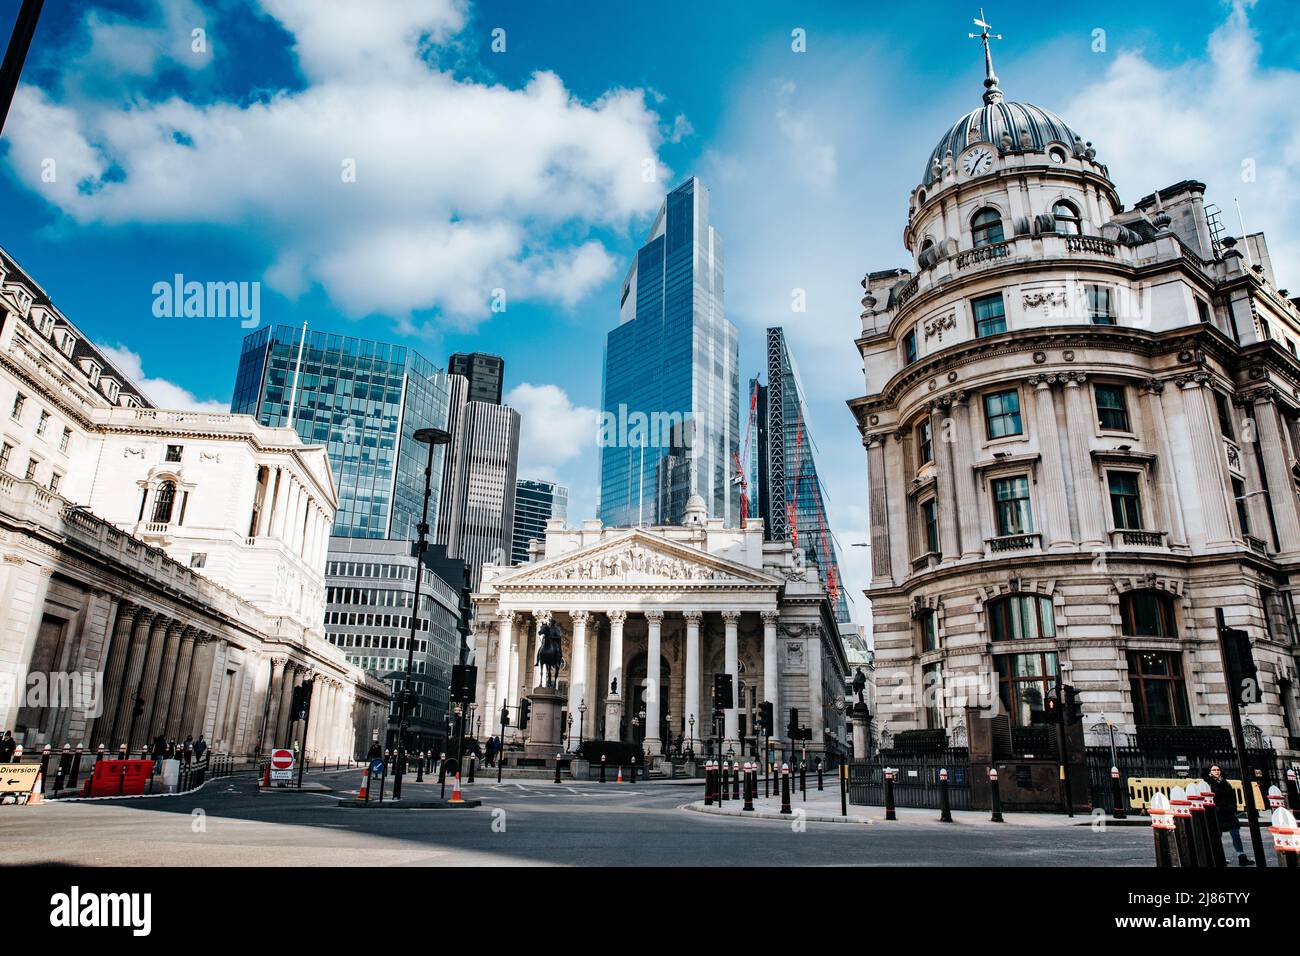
992 93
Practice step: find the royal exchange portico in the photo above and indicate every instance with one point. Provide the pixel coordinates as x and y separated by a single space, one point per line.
700 600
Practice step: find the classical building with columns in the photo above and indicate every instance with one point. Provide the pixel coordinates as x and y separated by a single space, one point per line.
1081 424
170 555
698 599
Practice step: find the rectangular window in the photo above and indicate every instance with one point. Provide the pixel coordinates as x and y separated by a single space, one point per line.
1100 310
31 469
929 631
1023 683
17 412
1203 311
990 315
909 347
5 451
1112 410
1002 414
1224 409
173 453
924 442
42 423
55 478
198 559
932 692
1239 498
65 440
1159 693
1011 499
930 519
1125 500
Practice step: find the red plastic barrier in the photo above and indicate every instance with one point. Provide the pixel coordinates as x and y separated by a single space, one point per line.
109 780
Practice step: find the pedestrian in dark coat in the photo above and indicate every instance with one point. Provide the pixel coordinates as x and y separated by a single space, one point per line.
7 747
1225 809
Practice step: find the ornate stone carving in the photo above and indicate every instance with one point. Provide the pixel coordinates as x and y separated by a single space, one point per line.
936 326
1043 297
633 563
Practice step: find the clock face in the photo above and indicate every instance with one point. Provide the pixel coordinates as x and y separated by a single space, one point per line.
978 161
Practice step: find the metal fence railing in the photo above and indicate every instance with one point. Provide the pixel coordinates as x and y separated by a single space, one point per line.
916 779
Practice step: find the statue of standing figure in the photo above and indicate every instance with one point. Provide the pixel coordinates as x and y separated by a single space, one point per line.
550 652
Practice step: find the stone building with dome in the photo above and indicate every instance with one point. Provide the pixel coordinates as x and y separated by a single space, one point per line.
1081 423
699 597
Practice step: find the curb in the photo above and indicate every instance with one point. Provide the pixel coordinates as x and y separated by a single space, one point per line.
776 815
402 805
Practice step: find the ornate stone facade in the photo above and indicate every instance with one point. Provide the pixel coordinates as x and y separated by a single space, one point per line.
701 599
1099 452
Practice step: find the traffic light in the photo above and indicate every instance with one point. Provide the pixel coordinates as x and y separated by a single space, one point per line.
766 717
794 723
1239 666
301 701
525 706
722 699
1070 706
1052 706
505 715
463 680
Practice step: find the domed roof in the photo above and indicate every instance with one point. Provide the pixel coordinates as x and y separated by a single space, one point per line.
1029 127
697 512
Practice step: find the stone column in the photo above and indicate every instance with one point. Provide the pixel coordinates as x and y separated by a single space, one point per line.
180 684
1207 452
166 679
131 676
1087 491
693 711
771 673
1281 486
577 678
513 678
197 686
1155 414
731 665
149 679
1054 523
284 728
118 652
280 499
614 702
878 492
963 476
948 546
505 628
273 692
654 621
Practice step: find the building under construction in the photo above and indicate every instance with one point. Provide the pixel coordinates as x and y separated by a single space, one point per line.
782 486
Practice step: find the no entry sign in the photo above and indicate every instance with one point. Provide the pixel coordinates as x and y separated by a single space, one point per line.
281 764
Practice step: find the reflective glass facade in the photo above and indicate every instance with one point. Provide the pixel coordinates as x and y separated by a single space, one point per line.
363 400
674 361
536 502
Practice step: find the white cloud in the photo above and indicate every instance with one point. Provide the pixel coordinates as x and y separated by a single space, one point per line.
160 391
459 187
1209 119
555 431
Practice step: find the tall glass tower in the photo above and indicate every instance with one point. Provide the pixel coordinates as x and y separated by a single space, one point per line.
671 394
364 401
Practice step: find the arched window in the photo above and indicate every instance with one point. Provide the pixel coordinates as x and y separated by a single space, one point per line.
1147 614
163 501
986 227
1067 219
1021 617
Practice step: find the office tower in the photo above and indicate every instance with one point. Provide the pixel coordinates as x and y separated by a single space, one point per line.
536 502
670 422
484 373
787 493
364 401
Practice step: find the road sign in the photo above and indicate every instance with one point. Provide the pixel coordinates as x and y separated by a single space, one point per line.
281 764
376 767
18 778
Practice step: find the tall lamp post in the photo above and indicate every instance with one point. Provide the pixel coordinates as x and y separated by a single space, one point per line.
433 437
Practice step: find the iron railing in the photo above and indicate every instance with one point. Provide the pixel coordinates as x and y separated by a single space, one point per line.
916 779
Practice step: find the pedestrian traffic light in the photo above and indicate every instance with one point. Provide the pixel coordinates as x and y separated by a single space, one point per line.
505 715
1052 706
525 706
722 699
793 728
766 717
464 677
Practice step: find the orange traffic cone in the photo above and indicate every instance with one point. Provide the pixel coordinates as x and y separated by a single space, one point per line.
620 774
34 797
455 790
266 777
365 785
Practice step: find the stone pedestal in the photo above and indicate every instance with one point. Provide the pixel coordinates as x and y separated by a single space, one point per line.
613 716
544 731
861 735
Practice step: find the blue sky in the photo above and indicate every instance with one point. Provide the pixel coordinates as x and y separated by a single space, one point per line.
522 169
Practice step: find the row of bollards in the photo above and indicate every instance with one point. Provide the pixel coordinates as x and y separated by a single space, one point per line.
1186 831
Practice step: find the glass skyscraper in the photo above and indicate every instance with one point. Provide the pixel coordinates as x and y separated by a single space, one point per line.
671 392
536 502
785 490
364 401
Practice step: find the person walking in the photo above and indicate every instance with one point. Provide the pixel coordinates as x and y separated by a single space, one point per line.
1225 809
200 748
7 747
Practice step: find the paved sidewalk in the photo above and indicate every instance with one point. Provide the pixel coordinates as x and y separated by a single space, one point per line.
824 807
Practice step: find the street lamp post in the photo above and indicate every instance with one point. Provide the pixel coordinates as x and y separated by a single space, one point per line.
582 716
690 746
433 437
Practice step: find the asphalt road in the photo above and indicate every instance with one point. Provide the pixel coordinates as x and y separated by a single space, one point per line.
520 823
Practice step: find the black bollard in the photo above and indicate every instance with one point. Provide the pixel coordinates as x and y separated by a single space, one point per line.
995 796
1162 826
65 765
76 767
1292 792
473 763
890 813
442 776
634 769
750 786
945 810
602 768
99 754
735 781
419 766
1211 821
45 768
708 783
723 785
844 789
1117 792
1182 810
785 789
820 785
557 767
803 779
